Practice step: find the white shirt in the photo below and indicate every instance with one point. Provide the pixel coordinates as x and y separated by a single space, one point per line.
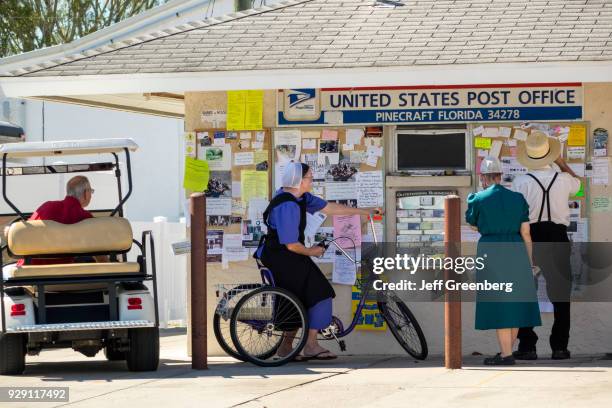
565 186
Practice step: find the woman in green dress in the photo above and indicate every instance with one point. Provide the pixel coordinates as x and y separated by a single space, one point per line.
502 218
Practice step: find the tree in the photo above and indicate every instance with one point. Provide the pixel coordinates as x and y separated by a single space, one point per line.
27 25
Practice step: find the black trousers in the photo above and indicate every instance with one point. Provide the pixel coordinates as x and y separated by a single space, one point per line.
551 252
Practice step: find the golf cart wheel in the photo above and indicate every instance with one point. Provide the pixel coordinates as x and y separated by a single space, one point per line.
12 354
144 349
262 319
404 326
112 354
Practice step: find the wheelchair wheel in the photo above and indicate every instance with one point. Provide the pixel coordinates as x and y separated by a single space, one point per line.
404 326
262 319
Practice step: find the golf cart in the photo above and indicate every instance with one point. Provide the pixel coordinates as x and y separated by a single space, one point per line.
68 300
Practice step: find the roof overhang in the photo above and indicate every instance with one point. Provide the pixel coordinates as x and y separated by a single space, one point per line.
151 103
110 90
67 147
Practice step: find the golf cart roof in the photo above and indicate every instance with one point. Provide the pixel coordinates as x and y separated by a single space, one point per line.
67 147
8 129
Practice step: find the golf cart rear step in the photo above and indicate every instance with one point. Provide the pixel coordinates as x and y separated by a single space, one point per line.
130 324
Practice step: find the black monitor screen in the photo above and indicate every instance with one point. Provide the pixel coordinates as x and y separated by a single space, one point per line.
430 151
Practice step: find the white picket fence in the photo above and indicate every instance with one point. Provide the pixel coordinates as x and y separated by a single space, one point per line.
171 269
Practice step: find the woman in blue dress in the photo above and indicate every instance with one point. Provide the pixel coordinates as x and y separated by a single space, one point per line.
284 253
502 218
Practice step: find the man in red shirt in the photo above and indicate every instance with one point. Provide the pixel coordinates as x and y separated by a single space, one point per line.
70 210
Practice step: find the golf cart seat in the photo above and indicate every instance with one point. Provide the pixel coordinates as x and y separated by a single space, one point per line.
50 239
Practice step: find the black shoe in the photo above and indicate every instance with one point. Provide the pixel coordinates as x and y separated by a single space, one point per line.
525 355
499 360
560 354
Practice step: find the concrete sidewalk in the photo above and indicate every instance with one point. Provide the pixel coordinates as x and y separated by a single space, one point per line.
375 381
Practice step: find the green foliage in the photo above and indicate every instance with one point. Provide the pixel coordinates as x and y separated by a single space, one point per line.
27 25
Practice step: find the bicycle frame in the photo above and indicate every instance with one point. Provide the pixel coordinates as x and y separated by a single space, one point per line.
365 294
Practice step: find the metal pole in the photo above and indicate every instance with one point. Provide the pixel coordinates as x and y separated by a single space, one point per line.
452 299
199 326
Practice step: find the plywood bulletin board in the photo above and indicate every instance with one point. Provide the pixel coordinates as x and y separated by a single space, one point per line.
574 137
226 185
352 160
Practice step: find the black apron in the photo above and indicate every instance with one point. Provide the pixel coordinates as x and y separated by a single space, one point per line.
294 272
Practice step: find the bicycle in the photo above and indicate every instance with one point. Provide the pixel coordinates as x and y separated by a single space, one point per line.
259 316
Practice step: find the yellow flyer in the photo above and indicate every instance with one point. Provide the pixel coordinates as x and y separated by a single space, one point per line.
577 135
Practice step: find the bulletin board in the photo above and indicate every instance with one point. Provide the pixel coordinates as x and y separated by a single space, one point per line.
232 155
501 140
347 165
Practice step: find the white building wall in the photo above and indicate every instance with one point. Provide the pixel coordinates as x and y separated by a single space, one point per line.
156 166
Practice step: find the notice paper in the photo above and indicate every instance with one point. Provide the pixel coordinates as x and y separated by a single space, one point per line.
311 134
330 253
257 206
287 144
254 110
218 206
600 171
254 184
496 147
340 190
478 131
329 134
309 144
196 174
313 223
245 110
347 229
482 143
345 270
576 152
260 156
505 131
233 251
243 158
353 136
190 144
577 135
491 132
236 110
601 204
218 157
520 134
370 191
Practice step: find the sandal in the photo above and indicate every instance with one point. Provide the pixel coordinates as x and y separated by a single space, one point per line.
318 356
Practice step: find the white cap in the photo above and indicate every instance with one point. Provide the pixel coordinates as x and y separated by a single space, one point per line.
490 164
292 176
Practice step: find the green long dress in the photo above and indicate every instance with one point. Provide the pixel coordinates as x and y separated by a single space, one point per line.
498 213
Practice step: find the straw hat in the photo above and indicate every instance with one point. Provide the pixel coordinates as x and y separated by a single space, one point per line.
538 150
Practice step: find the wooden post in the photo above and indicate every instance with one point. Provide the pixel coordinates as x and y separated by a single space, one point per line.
199 326
452 299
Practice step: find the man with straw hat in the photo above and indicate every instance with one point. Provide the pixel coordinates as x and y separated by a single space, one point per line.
547 192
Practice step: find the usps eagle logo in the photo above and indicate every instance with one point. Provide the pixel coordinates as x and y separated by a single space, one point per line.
299 96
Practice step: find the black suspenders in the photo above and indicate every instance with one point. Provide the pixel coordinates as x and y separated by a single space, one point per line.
546 196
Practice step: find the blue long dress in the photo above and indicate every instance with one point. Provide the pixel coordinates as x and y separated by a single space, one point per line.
498 213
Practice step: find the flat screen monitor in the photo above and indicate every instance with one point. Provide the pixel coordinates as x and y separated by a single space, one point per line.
435 151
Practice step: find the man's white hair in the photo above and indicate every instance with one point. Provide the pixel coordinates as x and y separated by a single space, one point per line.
77 186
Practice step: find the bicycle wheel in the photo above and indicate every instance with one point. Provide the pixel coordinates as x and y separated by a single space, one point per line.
404 326
221 322
260 321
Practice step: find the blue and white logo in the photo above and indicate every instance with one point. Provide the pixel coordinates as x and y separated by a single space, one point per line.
301 103
298 96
